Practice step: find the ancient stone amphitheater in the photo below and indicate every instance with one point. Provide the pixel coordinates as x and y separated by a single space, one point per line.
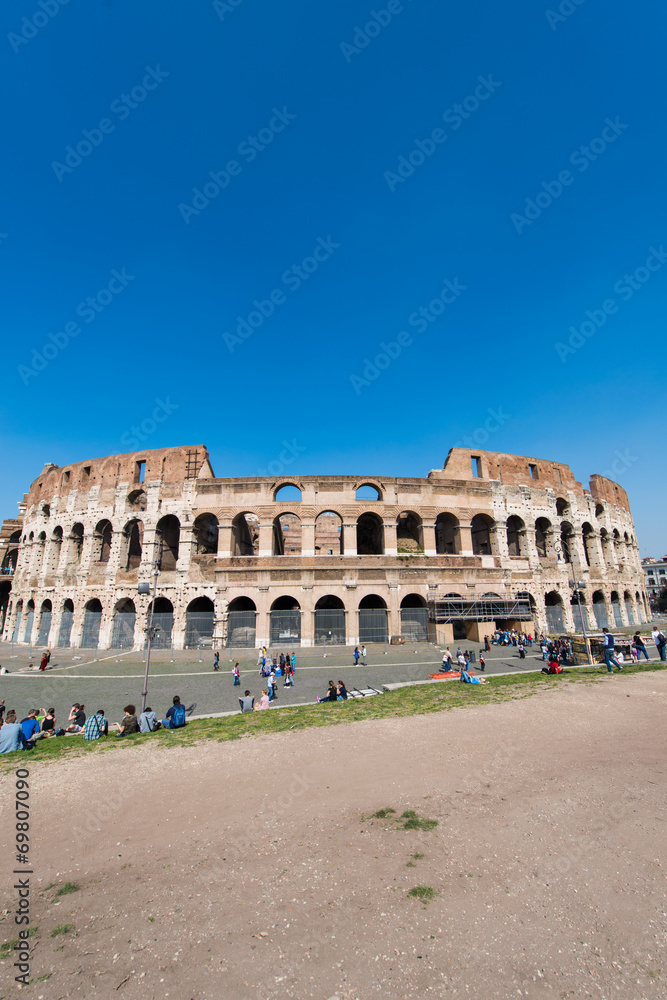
489 539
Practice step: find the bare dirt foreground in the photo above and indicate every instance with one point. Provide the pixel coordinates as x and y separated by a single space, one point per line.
253 869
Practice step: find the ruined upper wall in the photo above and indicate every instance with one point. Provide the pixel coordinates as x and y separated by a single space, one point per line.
161 464
606 490
519 470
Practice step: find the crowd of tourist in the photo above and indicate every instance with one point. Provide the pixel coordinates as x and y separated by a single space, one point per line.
41 724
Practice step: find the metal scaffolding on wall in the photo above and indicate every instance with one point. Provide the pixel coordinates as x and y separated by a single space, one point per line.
449 610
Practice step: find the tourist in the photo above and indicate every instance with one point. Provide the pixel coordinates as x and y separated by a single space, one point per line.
447 659
96 726
45 660
216 661
2 710
48 723
76 718
461 660
129 724
639 646
363 655
356 656
247 703
609 650
482 662
331 695
30 727
264 701
236 675
11 736
148 721
467 678
289 675
272 685
660 642
522 652
175 717
341 691
281 661
487 648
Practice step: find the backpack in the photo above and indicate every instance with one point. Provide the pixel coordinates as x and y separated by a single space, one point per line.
178 718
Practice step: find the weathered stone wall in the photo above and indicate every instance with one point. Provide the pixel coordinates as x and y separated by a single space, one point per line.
486 523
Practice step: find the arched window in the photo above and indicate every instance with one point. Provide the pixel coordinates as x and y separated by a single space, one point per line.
600 609
330 621
30 618
447 534
163 622
566 536
287 535
124 618
616 609
480 530
199 623
579 617
587 535
414 618
103 533
367 491
372 619
44 623
287 492
542 533
241 623
285 618
66 622
92 619
245 535
329 534
553 606
409 532
136 500
515 528
206 534
133 540
370 535
75 543
167 534
629 610
562 506
599 510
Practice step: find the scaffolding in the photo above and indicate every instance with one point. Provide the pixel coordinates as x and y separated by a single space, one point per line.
447 610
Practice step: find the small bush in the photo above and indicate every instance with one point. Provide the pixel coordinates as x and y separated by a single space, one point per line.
425 893
66 889
384 813
413 821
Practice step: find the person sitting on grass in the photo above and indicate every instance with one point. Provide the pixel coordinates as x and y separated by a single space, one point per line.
148 721
469 679
30 728
11 737
129 724
175 718
76 718
331 695
49 722
553 667
341 691
247 702
263 701
96 726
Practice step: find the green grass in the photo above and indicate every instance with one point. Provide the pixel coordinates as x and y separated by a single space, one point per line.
62 929
7 947
425 893
384 813
66 889
422 699
413 821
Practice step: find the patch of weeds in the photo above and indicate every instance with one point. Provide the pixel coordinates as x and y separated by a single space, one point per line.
413 821
152 919
59 948
417 855
410 864
7 947
66 889
384 813
42 979
62 929
425 893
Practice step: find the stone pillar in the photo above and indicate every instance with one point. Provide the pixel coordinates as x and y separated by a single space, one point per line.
464 540
265 538
390 541
307 538
350 538
498 538
394 613
186 547
428 536
567 616
225 540
308 622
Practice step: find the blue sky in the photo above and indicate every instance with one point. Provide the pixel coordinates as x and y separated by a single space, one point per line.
534 198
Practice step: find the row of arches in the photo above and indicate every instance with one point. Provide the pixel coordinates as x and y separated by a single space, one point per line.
602 612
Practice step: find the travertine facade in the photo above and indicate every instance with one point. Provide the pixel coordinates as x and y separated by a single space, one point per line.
241 565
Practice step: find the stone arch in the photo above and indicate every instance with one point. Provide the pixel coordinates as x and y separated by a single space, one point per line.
245 534
288 492
18 614
66 623
287 534
409 532
330 621
103 535
543 530
124 619
329 534
553 606
599 510
163 622
205 530
414 618
629 609
447 537
579 617
366 490
616 608
92 619
199 622
133 543
587 537
241 623
136 500
44 628
167 536
29 620
562 506
515 528
75 543
373 619
370 535
285 621
480 531
566 537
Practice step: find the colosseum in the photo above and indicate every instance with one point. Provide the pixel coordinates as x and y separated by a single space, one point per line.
489 540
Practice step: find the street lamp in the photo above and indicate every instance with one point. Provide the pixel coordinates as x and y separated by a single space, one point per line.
151 630
577 588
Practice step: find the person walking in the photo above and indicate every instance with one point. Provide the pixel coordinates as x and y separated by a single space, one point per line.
660 642
236 675
216 661
272 685
356 656
482 662
363 655
487 648
639 646
610 650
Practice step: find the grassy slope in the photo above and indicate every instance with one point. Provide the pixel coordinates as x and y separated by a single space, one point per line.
418 700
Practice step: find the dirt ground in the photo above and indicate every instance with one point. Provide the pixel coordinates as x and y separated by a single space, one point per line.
254 869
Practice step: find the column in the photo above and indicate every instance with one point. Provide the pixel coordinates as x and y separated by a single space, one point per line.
186 547
390 540
464 540
307 538
428 536
225 539
265 538
308 622
350 538
498 539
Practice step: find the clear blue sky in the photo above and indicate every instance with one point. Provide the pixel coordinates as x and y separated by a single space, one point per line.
332 111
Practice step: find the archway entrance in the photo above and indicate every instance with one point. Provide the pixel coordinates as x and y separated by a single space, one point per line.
330 621
163 621
285 622
372 619
124 618
414 618
241 623
199 621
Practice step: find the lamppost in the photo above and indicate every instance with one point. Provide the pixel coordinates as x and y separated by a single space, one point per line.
577 588
151 630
